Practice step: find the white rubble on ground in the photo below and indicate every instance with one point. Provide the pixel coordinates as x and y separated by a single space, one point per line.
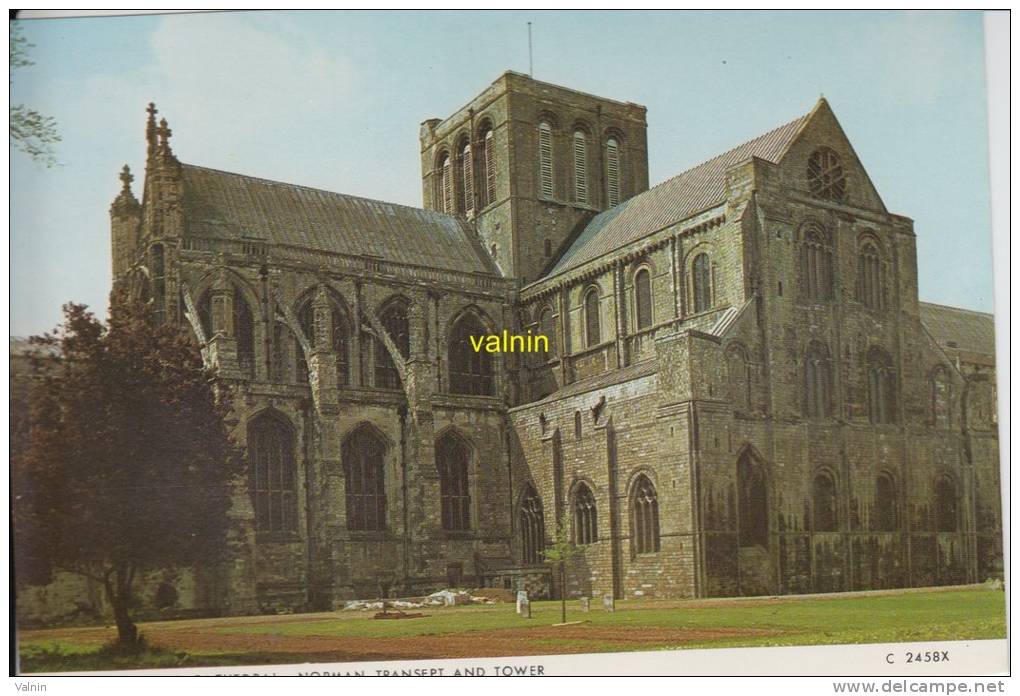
442 598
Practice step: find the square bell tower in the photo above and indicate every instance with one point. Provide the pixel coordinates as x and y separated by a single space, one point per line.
531 163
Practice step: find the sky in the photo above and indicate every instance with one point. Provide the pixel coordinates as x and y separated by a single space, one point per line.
334 100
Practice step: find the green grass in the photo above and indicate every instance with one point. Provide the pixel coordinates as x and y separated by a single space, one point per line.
946 615
967 614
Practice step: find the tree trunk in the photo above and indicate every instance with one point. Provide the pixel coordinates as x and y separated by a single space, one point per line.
119 598
563 593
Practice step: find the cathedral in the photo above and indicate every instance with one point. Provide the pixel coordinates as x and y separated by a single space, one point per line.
742 395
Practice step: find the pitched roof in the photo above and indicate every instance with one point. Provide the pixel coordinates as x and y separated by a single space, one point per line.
690 192
960 330
231 206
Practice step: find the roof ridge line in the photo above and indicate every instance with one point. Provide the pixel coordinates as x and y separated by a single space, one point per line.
322 190
958 309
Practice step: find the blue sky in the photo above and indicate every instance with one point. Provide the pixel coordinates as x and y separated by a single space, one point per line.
334 100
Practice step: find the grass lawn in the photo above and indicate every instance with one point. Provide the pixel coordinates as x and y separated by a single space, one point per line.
492 630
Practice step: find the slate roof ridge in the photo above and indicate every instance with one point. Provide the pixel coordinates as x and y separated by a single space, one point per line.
957 309
657 209
761 136
325 191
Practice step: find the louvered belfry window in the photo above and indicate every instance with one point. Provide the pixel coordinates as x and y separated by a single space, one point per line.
580 167
490 168
613 171
468 174
545 166
446 184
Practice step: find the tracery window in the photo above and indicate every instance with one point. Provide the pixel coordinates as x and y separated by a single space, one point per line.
532 528
363 455
869 276
158 267
585 516
815 264
455 497
244 335
645 516
471 371
394 320
881 387
825 175
271 475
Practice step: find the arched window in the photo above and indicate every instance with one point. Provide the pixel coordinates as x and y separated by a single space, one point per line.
445 192
815 264
244 335
739 372
271 476
467 178
701 283
645 516
753 502
586 527
817 381
940 397
547 328
881 387
545 160
488 167
454 494
306 320
886 517
471 371
869 276
342 346
612 172
532 528
592 325
580 167
643 298
394 320
946 515
824 495
363 458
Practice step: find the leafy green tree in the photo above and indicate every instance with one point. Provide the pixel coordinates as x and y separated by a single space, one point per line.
562 550
129 467
31 132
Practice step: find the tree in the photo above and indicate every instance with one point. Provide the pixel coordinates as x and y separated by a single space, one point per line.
562 550
31 132
129 467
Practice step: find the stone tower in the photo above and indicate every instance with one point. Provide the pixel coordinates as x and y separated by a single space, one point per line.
531 163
